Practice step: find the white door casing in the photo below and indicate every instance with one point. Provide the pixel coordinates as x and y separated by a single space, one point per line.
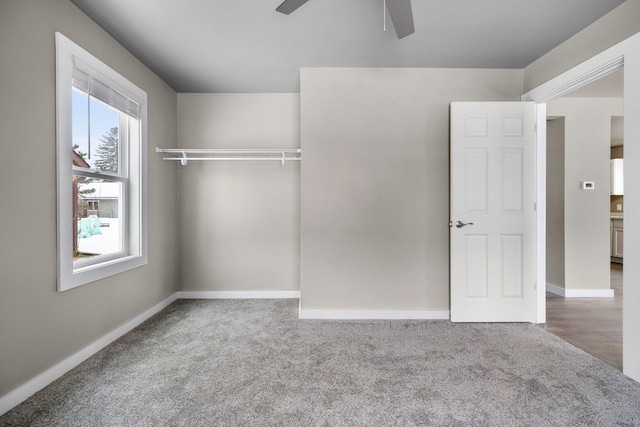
493 191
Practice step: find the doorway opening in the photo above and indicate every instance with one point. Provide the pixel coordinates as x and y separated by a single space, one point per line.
585 217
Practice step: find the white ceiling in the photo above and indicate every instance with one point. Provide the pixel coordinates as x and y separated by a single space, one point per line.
246 46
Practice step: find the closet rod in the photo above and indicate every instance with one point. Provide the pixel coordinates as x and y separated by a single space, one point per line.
261 154
228 150
287 159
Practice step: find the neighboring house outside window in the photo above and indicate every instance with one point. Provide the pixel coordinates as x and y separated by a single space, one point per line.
101 146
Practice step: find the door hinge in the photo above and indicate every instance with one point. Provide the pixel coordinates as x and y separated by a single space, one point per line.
535 127
535 207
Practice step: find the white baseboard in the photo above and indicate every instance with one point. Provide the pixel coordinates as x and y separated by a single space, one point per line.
588 293
580 293
238 294
23 392
372 314
555 289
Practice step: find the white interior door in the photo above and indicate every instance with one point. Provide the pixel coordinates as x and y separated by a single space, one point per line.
492 240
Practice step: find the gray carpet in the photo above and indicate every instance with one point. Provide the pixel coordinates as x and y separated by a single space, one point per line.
253 363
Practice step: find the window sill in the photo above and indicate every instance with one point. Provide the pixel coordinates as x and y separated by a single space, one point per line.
91 273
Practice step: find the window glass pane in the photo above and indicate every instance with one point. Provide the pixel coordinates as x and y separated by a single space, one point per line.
95 134
97 217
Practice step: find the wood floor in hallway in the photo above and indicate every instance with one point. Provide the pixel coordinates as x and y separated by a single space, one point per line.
591 324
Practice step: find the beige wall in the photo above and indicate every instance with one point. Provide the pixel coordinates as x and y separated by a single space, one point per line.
616 26
555 202
39 327
239 221
587 152
375 183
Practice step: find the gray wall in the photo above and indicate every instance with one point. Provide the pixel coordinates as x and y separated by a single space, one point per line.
239 221
586 212
616 26
555 202
375 183
39 327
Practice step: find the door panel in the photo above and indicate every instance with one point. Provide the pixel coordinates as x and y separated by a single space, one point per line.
512 268
477 258
476 165
512 181
492 196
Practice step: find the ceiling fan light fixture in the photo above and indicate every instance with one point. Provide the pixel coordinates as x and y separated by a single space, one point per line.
399 10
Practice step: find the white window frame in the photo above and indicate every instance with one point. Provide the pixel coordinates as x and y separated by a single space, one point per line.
135 254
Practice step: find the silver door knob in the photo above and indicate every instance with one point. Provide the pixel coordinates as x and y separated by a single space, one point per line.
460 224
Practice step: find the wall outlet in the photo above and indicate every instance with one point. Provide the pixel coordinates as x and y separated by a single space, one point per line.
618 207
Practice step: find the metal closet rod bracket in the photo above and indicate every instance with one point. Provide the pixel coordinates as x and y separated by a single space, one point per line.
231 154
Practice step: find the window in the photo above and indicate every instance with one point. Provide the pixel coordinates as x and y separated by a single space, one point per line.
93 208
101 159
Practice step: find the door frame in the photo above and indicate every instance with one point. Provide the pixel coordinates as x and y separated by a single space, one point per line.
625 54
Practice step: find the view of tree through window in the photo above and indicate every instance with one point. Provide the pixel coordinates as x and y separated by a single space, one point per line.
107 152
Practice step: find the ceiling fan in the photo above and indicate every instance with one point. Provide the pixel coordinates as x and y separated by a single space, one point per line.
399 11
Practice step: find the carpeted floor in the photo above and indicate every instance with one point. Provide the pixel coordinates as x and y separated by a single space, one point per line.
253 363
